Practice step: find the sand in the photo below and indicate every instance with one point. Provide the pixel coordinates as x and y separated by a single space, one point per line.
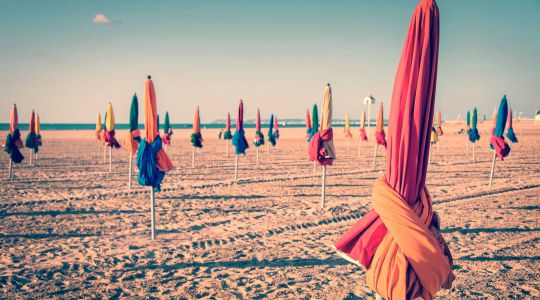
71 229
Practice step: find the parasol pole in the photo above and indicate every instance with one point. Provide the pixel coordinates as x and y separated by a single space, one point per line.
369 118
268 148
104 153
375 155
193 158
473 152
323 186
359 147
10 168
130 170
227 147
429 158
153 212
257 155
492 168
110 159
30 156
236 168
439 147
347 143
98 149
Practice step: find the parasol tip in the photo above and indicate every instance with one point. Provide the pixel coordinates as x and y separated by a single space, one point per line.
328 84
149 77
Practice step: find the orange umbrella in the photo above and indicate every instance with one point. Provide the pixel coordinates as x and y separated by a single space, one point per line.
439 124
363 135
196 137
152 160
379 129
163 163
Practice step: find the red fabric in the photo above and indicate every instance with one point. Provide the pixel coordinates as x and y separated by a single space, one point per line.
258 121
381 138
509 122
501 147
110 140
410 123
316 150
363 134
240 119
32 124
167 137
439 131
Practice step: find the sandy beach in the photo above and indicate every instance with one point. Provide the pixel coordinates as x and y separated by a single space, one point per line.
70 229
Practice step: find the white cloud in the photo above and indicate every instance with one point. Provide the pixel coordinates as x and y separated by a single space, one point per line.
101 19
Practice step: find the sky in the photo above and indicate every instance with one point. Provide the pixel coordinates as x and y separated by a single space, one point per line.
68 59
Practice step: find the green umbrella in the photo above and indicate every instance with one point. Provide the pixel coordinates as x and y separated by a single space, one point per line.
134 114
167 125
314 121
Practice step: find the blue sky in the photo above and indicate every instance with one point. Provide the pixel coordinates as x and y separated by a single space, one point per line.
277 55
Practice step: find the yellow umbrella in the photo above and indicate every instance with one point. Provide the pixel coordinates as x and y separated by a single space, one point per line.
347 127
38 125
110 118
326 122
99 129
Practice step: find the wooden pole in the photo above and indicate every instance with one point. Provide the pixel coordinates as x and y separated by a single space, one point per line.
268 148
359 147
236 168
104 153
30 156
130 170
323 186
429 157
193 158
153 212
257 155
439 147
492 168
347 143
10 168
375 155
227 147
98 149
110 159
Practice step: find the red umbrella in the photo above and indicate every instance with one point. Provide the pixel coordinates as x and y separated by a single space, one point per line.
410 123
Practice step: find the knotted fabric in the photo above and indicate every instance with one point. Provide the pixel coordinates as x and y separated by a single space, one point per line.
196 140
317 151
410 262
152 163
473 135
110 140
381 138
167 137
239 142
502 149
13 143
363 135
132 140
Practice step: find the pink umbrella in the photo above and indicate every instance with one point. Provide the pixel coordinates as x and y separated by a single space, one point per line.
410 123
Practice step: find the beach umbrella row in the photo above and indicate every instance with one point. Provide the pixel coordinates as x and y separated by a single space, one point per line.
403 258
31 141
110 139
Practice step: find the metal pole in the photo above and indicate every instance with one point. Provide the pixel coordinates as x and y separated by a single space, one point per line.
110 159
492 168
30 156
369 118
10 168
236 168
375 155
474 152
153 212
227 147
193 158
130 170
257 155
323 186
